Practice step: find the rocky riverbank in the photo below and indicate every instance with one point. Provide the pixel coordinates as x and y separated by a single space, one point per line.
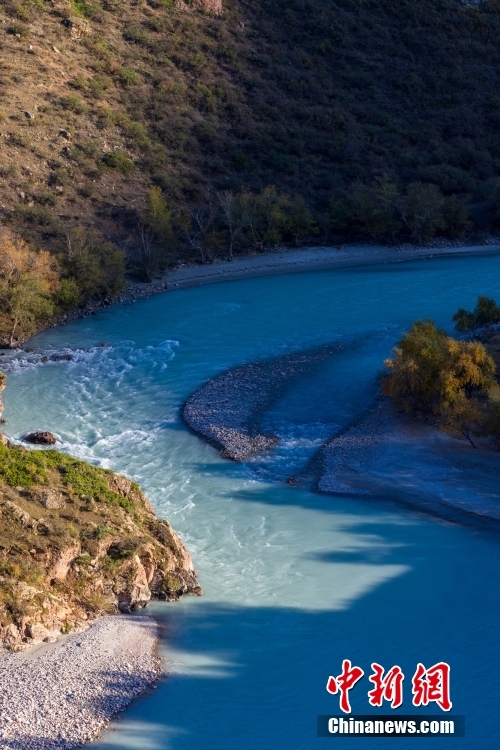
385 454
65 696
399 457
279 260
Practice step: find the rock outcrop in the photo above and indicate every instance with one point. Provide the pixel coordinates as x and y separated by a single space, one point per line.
41 437
77 541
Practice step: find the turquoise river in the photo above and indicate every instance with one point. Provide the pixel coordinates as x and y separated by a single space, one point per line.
295 581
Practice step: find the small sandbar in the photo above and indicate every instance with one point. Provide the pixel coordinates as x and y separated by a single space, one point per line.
225 411
65 696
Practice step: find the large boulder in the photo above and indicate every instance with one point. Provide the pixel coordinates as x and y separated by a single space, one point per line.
40 437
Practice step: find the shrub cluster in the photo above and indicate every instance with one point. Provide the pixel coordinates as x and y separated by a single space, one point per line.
225 223
381 211
485 313
35 285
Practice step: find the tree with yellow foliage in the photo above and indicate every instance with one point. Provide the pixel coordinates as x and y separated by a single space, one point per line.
28 281
435 372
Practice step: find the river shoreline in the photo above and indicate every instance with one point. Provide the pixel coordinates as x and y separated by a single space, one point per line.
409 460
65 696
267 264
313 259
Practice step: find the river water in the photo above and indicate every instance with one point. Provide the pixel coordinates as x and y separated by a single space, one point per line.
294 582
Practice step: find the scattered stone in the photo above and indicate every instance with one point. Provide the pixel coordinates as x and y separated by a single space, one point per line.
57 51
40 438
65 134
80 28
29 115
52 499
64 698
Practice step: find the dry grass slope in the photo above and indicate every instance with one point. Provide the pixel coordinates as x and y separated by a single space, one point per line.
102 98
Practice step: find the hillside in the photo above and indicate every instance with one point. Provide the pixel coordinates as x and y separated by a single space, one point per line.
76 542
342 103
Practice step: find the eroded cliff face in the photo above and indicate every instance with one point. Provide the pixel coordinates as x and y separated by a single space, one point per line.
77 541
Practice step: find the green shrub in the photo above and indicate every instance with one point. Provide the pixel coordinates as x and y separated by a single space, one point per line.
433 372
97 267
20 139
118 160
486 312
128 77
73 103
86 8
37 216
456 217
137 35
421 209
98 85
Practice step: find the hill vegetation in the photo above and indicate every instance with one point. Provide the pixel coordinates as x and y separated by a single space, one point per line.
175 130
77 541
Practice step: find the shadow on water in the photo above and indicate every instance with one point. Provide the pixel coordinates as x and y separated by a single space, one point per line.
396 499
242 667
389 588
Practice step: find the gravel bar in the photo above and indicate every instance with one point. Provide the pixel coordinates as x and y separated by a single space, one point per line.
67 695
226 410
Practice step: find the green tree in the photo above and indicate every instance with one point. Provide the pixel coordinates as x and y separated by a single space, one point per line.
97 266
156 241
198 225
264 215
159 216
299 219
456 217
372 208
232 215
486 312
462 417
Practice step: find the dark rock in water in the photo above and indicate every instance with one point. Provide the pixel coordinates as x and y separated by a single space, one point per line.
40 438
61 357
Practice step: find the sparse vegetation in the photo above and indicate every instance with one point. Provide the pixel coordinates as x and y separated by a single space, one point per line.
402 141
34 285
79 556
